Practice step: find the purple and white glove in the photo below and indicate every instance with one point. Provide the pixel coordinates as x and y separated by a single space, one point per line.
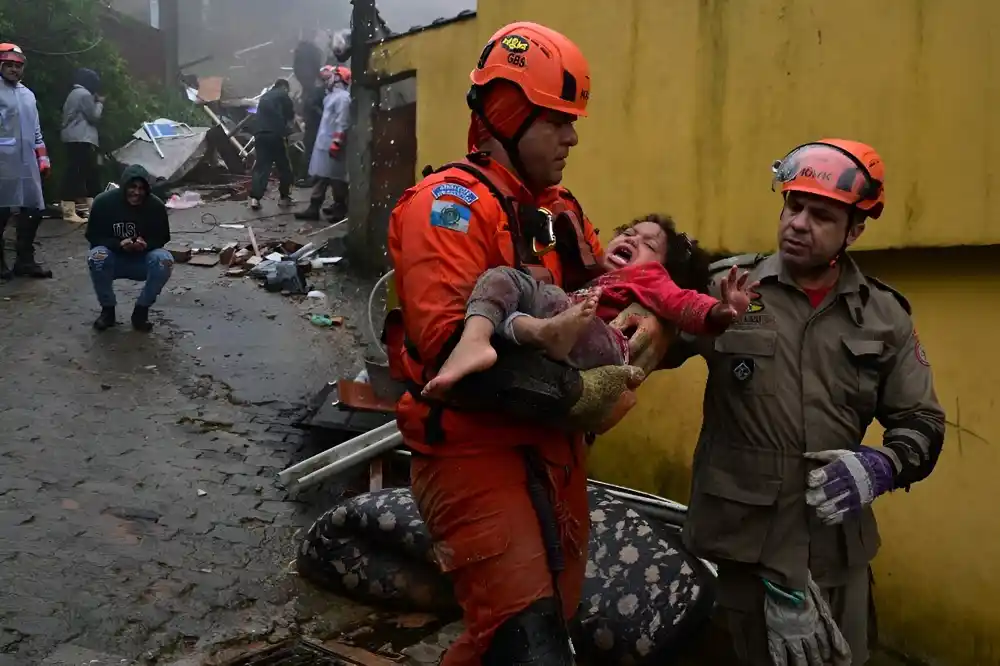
848 482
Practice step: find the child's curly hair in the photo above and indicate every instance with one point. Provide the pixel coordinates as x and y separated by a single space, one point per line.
686 262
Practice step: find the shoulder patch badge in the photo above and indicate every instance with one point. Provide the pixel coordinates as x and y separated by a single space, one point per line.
450 215
743 369
455 191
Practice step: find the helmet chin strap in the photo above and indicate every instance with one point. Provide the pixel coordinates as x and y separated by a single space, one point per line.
851 222
510 144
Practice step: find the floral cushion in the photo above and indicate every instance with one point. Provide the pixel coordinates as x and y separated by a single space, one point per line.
642 595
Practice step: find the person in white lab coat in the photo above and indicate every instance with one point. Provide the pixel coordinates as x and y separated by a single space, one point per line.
24 162
328 165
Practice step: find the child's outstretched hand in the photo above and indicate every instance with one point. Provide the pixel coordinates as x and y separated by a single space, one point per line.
736 293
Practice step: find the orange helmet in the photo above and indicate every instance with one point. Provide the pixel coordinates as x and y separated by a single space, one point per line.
343 74
11 53
545 64
850 172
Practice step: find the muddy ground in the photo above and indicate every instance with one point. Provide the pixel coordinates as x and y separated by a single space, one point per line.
139 511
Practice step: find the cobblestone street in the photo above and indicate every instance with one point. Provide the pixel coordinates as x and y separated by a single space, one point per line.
139 511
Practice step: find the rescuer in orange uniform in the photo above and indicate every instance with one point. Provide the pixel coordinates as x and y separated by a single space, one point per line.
502 488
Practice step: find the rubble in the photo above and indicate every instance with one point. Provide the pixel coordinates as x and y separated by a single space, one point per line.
280 265
181 252
166 149
207 260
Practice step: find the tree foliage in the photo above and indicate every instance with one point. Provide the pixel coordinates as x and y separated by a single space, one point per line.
61 36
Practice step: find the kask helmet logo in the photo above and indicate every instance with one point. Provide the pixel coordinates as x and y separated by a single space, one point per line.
515 44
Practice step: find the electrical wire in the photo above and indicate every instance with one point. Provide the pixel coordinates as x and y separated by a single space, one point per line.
206 218
66 53
375 338
91 47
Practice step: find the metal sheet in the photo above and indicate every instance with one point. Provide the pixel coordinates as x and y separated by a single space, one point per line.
180 155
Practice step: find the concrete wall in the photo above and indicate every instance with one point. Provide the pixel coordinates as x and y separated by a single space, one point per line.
140 46
691 102
137 9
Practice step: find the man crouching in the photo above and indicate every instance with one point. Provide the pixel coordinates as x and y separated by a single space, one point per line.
127 230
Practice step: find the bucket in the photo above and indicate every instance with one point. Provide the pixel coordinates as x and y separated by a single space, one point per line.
383 385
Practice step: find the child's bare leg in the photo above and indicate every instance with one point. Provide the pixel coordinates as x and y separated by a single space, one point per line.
473 353
556 335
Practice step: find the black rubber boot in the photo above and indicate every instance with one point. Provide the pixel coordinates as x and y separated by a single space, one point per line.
311 213
24 263
106 320
5 272
140 319
336 212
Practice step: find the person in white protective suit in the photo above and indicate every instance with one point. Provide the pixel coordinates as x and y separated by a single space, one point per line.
24 162
328 165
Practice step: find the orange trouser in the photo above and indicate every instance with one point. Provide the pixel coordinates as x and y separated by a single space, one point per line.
487 537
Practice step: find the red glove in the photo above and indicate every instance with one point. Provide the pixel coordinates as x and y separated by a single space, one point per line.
44 164
338 141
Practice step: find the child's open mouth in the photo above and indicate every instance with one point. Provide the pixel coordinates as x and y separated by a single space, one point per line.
622 255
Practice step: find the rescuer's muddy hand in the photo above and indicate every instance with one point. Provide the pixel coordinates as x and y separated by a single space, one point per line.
801 630
649 338
608 395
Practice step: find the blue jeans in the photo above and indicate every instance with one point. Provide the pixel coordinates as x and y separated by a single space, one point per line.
153 268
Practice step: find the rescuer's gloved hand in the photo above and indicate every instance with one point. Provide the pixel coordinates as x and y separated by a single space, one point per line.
801 630
847 482
650 338
44 164
607 396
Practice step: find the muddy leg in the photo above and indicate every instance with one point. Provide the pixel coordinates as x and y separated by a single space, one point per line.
559 334
473 353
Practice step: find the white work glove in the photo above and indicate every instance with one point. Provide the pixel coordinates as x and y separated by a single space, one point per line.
803 634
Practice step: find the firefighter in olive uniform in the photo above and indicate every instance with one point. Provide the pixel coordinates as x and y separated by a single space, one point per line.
782 486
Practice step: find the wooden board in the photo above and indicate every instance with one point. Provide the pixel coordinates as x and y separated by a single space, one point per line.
358 395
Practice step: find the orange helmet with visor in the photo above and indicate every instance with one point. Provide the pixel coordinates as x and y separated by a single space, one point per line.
846 171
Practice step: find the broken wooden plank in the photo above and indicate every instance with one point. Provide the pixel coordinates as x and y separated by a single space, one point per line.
253 241
358 655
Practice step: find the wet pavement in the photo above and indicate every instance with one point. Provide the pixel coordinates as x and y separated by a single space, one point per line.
139 510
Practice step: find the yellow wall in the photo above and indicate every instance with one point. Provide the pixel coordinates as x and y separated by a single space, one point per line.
692 101
439 56
937 575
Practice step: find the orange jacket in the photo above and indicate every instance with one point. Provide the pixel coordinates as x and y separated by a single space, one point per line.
444 233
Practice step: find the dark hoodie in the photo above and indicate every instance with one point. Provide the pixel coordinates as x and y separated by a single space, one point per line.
89 79
113 219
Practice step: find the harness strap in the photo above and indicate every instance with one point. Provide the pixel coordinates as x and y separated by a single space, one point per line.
570 243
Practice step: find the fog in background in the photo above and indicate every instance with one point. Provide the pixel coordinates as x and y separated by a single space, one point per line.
221 28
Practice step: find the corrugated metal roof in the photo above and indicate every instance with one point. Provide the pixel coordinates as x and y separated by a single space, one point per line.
464 15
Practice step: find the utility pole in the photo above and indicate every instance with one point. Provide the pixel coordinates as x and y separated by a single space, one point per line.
360 139
169 20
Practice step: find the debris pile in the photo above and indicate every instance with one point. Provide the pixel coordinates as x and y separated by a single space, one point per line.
279 266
